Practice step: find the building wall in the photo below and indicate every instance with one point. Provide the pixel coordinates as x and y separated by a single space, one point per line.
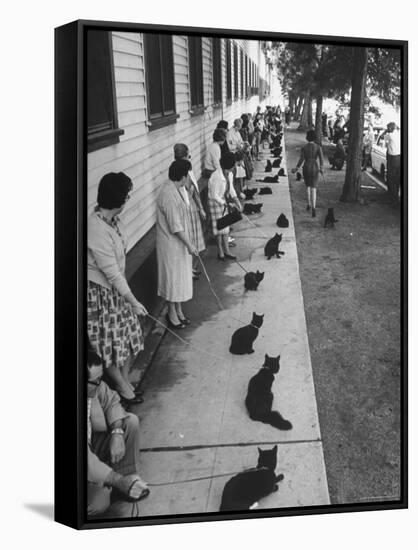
145 155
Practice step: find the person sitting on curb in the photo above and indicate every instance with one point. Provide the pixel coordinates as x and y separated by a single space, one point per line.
112 451
337 160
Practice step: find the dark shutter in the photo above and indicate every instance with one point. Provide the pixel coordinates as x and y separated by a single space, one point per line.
217 70
228 71
241 72
235 71
195 71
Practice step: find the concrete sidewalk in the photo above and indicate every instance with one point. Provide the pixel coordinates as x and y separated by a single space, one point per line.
194 422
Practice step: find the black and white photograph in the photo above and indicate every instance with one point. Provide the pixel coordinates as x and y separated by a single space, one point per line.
244 212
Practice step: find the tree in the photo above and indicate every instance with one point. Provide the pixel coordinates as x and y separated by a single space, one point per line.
351 186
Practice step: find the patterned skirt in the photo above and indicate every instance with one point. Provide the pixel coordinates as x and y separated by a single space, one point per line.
216 211
196 232
113 327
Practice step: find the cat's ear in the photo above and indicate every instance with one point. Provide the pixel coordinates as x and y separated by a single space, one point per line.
278 358
259 450
266 357
275 448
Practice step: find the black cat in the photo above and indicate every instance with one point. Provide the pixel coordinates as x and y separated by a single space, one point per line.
330 219
259 398
270 179
253 279
249 193
265 135
282 221
268 167
298 176
245 489
277 152
252 208
272 247
281 172
277 162
265 191
277 141
243 338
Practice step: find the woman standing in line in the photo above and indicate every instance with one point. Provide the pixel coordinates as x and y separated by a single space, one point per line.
220 192
196 210
113 327
309 155
174 245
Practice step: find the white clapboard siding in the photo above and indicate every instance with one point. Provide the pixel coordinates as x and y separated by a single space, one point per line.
145 155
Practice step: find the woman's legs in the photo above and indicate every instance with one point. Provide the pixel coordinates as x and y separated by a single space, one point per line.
219 239
308 196
313 192
118 382
179 310
172 313
126 368
225 244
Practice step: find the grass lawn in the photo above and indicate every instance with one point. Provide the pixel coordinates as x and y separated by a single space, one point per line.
351 287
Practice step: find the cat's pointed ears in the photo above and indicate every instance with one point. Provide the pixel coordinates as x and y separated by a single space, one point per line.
275 448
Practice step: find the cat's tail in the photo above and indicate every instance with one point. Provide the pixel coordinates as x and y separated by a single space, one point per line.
275 419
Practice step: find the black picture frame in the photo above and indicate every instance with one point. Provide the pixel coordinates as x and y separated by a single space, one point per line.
70 279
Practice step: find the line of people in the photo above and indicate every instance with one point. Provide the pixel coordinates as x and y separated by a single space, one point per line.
114 315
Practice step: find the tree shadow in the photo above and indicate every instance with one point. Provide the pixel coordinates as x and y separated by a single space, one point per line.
46 510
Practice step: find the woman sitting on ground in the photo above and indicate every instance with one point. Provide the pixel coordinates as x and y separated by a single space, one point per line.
196 211
113 325
309 155
337 160
174 245
220 192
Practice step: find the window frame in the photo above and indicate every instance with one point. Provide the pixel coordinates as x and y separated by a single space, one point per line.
110 132
170 116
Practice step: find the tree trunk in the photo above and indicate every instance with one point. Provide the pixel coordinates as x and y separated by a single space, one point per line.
310 118
351 188
304 122
318 119
298 108
292 104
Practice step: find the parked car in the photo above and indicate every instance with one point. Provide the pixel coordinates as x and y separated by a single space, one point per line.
379 155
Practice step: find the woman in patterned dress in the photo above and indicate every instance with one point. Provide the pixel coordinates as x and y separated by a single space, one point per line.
196 211
113 325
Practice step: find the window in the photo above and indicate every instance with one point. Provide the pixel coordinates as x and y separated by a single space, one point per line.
235 71
195 72
228 71
241 72
160 79
102 123
217 70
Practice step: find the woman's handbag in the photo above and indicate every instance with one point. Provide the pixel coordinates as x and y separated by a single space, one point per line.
233 216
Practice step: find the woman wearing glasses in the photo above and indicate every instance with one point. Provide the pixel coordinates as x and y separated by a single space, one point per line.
113 325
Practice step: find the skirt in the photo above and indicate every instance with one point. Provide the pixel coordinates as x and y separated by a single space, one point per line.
113 327
216 211
196 232
310 173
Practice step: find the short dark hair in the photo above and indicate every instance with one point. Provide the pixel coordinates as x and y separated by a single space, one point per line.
179 169
219 134
93 358
222 124
180 150
228 161
310 135
239 155
113 190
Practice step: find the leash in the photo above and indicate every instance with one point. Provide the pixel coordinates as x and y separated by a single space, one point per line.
185 341
221 307
242 267
215 476
254 225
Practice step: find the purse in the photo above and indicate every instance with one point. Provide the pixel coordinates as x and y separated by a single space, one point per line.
233 216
